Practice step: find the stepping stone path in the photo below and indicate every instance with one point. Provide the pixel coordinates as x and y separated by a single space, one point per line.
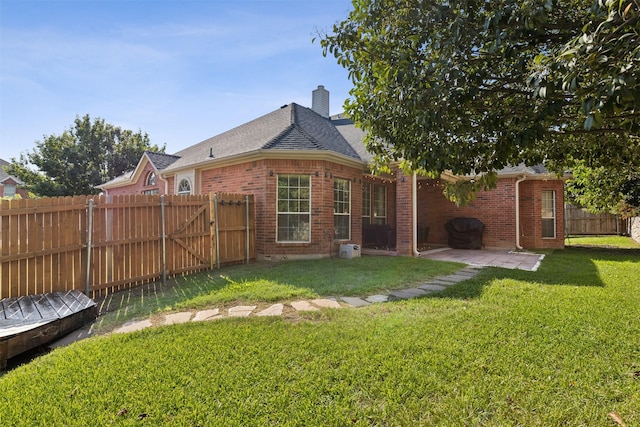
432 286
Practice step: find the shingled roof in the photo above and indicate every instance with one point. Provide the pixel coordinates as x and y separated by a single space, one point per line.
160 160
291 127
4 176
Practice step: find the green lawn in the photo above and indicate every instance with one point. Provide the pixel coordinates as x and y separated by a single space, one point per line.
268 282
602 241
560 346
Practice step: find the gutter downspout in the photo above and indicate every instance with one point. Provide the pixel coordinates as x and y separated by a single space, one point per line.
518 181
414 220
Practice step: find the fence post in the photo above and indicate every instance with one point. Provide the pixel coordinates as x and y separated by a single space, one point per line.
246 201
164 241
87 278
212 221
215 214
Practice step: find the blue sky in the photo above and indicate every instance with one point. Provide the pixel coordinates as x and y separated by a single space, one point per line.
181 71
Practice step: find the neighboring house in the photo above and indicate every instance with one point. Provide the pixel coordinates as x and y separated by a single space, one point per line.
10 185
310 175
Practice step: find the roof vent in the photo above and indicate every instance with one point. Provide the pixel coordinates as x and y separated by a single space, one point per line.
320 101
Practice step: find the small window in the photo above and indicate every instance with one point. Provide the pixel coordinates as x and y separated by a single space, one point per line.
184 189
294 208
342 208
151 179
152 191
548 214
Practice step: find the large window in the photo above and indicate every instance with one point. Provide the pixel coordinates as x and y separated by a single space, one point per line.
294 208
366 204
548 214
342 208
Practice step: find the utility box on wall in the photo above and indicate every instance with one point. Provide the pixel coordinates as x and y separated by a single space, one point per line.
349 251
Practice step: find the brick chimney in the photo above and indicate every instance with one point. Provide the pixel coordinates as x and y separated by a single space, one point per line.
320 101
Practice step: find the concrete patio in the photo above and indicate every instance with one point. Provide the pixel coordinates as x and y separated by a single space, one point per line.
487 258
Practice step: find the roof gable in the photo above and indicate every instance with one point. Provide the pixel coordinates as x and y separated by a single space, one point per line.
4 175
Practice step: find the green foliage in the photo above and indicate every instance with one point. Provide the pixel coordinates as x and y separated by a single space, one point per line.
601 191
554 347
473 86
82 157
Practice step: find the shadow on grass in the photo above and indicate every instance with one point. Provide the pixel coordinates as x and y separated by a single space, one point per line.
271 282
567 267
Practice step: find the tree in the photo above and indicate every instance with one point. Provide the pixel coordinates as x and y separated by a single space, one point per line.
84 156
473 86
599 191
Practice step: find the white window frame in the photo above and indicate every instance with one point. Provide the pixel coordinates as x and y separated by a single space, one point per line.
151 179
548 213
339 206
282 214
181 191
10 190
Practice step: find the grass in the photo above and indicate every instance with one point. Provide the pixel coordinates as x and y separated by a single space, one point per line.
269 282
622 242
560 346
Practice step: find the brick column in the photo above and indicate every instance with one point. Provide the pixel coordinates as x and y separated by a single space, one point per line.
404 214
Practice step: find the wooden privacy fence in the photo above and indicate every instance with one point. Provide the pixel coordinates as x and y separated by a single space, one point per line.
581 222
99 244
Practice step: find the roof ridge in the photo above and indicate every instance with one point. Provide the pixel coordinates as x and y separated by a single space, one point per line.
158 153
302 130
273 140
311 139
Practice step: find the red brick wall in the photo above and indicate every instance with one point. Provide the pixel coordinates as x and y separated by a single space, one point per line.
530 214
404 214
260 179
139 186
496 209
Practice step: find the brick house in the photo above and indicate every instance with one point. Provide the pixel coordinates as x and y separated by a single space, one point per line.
10 186
146 178
310 175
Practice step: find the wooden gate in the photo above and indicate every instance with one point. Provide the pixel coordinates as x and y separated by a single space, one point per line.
188 230
233 228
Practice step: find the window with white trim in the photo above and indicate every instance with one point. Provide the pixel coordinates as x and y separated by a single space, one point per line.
548 214
184 188
342 208
151 179
294 208
9 190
